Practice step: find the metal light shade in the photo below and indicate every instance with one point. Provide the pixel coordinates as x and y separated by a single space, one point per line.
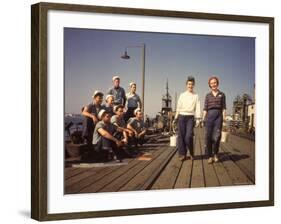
125 56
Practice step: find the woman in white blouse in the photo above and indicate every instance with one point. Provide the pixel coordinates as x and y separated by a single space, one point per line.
188 110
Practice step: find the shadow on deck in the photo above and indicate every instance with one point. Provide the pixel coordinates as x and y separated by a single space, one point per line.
159 168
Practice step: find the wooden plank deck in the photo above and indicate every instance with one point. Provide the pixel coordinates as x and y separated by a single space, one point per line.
163 170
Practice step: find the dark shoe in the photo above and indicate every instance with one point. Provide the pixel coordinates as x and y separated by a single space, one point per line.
110 156
127 153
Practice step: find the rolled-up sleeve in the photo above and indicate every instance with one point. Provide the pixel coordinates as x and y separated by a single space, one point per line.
178 107
223 102
206 103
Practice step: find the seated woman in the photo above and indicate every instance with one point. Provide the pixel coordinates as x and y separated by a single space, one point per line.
103 137
137 125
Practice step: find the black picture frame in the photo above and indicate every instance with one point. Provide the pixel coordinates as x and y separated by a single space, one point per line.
39 105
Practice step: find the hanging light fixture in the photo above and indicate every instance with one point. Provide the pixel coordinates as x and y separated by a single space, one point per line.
125 56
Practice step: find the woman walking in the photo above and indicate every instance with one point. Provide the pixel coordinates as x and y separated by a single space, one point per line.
188 108
213 114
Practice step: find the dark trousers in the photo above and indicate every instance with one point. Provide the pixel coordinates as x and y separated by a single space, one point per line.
88 130
136 141
129 113
213 131
110 146
185 134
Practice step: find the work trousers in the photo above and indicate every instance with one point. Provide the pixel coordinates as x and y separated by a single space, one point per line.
185 134
213 123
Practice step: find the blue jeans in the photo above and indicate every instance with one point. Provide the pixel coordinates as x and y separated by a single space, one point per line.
213 131
185 134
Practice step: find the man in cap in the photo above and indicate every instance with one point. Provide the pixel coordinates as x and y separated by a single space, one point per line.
137 125
117 91
90 114
133 101
118 120
109 104
103 137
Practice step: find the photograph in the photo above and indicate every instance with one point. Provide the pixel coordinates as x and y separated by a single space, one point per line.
141 111
157 110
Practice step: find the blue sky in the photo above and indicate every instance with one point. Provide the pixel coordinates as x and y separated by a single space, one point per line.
92 57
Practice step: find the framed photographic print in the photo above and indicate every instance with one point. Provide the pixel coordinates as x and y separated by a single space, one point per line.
139 111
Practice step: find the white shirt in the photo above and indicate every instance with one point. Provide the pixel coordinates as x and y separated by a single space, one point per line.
188 104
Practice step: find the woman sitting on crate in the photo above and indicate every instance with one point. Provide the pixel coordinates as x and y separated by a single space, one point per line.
188 110
213 116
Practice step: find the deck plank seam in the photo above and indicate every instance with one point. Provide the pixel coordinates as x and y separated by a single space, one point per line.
176 179
201 158
139 171
100 179
155 176
102 170
231 177
75 174
242 169
102 176
117 170
149 162
89 172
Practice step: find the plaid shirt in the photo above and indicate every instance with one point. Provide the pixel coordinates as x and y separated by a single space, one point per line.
215 102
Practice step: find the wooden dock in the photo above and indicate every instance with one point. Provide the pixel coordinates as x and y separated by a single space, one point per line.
160 168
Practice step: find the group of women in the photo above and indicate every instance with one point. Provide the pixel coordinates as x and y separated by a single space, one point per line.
188 113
